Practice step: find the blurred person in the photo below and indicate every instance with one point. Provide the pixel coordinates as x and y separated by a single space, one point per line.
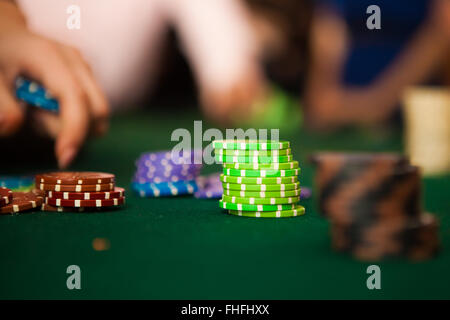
282 29
357 75
113 58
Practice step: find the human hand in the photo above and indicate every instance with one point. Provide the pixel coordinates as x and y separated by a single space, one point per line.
62 71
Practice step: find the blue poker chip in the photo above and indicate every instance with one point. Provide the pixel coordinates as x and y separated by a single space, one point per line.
34 94
16 182
164 189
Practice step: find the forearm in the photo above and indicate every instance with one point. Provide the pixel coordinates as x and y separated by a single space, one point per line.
216 37
416 64
377 101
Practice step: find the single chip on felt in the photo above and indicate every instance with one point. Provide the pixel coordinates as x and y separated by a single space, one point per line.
101 244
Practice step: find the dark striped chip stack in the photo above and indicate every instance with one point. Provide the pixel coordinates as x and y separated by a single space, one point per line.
79 191
373 202
167 173
260 178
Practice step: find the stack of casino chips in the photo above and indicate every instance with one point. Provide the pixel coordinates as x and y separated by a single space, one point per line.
79 191
17 202
427 123
167 173
260 178
373 202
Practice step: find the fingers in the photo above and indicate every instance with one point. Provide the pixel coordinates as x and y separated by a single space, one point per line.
96 99
50 68
45 123
11 115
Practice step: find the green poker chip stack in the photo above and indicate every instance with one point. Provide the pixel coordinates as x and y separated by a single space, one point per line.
260 178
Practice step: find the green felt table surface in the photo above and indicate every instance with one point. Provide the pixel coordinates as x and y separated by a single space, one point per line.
185 248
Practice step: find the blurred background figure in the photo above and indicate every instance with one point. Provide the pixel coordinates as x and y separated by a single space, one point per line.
123 41
357 75
242 59
282 30
114 60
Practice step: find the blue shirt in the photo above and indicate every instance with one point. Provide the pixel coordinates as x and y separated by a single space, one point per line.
371 51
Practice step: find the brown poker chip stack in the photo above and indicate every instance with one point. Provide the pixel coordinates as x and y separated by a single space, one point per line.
373 202
6 196
79 191
22 202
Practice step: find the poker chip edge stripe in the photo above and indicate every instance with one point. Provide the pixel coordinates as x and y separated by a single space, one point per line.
297 212
263 166
261 173
263 194
102 195
264 201
260 187
258 180
250 144
99 203
256 207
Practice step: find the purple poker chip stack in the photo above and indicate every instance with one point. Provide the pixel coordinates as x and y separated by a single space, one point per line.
158 169
305 193
209 187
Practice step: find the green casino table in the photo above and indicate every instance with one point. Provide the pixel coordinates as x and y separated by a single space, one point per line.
187 248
